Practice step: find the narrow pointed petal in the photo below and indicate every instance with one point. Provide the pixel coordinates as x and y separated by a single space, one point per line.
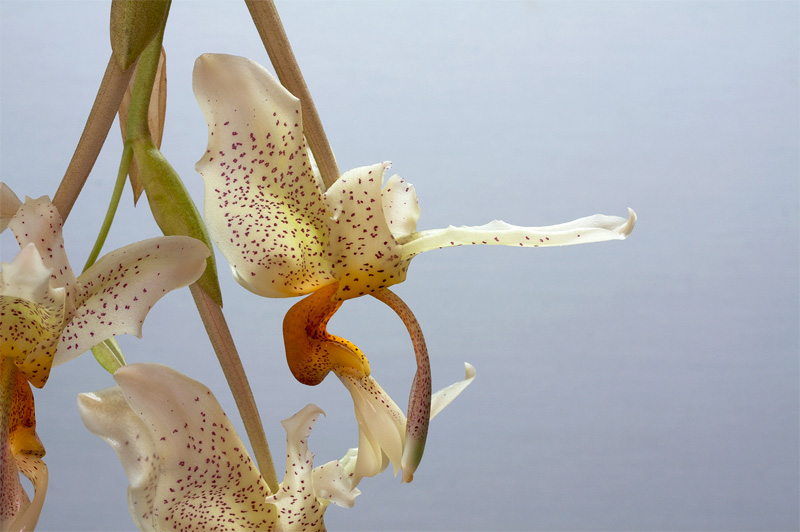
9 204
400 207
37 221
300 503
311 351
263 206
445 396
381 425
120 288
597 228
31 314
364 254
188 469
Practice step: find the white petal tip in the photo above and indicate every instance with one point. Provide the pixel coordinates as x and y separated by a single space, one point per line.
469 370
626 229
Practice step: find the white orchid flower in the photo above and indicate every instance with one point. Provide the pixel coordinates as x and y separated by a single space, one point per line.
49 316
283 235
189 470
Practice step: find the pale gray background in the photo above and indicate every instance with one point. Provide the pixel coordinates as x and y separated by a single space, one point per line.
650 384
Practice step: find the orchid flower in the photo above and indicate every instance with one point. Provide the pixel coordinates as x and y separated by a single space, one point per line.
283 235
49 316
189 470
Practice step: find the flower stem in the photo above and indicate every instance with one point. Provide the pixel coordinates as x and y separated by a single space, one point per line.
105 107
124 164
269 26
220 336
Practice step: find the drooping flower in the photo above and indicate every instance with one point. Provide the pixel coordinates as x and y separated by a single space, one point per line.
49 316
283 235
189 470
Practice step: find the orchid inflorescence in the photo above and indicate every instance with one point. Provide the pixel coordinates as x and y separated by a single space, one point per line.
286 230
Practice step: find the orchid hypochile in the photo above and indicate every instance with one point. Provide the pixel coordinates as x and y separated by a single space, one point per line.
283 235
49 316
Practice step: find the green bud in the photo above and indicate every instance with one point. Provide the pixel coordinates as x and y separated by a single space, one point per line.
134 23
173 208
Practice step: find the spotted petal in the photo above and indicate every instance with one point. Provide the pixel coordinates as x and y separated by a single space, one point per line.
597 228
306 492
37 221
31 314
187 467
364 254
400 206
120 288
263 206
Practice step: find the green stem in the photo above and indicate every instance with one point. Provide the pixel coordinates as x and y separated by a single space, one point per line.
269 26
124 165
105 107
137 127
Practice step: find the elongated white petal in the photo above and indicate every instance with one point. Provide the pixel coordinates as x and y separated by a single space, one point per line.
263 206
364 254
121 288
445 396
31 314
381 425
400 206
188 469
382 432
301 502
597 228
9 203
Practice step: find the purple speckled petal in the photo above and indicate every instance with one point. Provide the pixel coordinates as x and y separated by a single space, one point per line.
187 467
121 288
263 206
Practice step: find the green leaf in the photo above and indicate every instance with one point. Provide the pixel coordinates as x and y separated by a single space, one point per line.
173 209
134 23
109 355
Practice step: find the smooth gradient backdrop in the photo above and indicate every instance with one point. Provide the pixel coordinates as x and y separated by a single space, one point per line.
650 384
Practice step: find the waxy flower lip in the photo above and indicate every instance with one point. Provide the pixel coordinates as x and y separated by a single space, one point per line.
187 467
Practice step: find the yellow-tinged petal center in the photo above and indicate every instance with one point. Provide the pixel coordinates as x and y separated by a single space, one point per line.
311 351
29 334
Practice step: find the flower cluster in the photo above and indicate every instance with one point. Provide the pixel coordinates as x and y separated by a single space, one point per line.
284 234
49 316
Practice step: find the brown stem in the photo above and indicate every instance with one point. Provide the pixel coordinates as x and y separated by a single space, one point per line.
105 107
269 26
220 335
